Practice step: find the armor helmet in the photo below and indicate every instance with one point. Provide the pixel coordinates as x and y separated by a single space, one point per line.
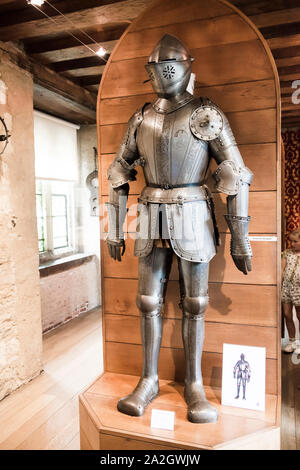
169 67
242 357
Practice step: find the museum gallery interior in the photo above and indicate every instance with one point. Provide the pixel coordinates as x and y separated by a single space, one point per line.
149 183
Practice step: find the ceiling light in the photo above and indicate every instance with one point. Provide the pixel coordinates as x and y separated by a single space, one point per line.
37 3
101 52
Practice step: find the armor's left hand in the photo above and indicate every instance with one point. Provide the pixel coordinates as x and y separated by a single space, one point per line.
243 263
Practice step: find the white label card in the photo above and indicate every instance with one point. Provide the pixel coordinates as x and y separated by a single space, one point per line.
262 239
162 419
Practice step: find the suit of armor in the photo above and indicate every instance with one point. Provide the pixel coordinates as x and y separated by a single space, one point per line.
172 139
242 373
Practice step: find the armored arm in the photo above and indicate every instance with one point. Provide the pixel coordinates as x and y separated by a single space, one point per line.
120 173
232 178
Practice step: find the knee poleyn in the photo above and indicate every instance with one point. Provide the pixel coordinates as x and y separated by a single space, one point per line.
195 306
149 305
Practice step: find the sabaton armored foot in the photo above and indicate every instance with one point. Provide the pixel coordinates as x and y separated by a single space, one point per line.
199 409
135 404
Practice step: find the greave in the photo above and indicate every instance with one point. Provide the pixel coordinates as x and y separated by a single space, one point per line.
148 385
199 410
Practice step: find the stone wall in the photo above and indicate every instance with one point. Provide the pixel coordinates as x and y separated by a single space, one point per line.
20 310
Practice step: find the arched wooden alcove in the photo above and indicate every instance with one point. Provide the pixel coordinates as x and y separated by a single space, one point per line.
235 68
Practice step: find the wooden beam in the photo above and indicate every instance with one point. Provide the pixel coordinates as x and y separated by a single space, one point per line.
66 41
283 42
60 106
289 69
288 83
64 65
280 30
255 7
71 53
84 72
288 61
276 17
50 80
119 12
286 52
23 12
90 80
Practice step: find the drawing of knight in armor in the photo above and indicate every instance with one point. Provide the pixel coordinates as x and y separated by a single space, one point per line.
242 373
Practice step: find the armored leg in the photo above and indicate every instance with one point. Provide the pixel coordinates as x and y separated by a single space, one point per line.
154 273
194 299
238 387
244 388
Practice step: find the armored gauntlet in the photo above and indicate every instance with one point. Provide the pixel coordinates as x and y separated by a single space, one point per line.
116 217
240 248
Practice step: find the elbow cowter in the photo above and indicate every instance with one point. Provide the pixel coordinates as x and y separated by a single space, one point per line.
229 177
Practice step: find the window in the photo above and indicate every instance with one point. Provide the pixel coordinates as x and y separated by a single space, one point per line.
55 217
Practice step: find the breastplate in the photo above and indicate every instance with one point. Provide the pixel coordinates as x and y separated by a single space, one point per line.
172 154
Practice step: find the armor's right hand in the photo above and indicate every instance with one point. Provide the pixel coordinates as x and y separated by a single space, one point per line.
116 248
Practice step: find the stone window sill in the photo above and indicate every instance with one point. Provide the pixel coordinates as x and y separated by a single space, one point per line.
63 264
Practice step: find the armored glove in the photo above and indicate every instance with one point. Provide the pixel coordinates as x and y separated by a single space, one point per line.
240 248
115 239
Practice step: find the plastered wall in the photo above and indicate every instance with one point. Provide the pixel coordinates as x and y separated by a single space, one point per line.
20 309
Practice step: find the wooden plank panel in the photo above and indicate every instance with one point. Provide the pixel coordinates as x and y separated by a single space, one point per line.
232 97
229 63
196 33
110 442
262 208
126 329
228 303
178 12
260 158
249 127
222 268
127 359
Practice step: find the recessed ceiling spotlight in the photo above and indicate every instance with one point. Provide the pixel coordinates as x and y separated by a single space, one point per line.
101 52
36 3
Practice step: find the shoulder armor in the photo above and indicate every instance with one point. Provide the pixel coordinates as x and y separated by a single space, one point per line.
229 176
207 121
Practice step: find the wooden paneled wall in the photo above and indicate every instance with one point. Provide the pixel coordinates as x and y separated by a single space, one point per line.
234 67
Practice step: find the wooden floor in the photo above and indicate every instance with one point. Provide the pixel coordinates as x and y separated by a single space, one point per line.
290 410
44 413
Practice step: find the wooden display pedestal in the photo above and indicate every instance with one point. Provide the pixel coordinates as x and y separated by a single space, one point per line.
102 427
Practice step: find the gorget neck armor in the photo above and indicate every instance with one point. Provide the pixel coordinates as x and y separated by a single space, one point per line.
166 106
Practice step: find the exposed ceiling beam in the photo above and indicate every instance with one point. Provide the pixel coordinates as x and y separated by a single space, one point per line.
66 41
115 13
288 61
289 69
89 80
274 18
71 94
71 53
84 72
64 65
284 41
286 52
280 30
60 106
255 7
23 12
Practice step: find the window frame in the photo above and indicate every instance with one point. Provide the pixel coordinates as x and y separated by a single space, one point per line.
47 192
